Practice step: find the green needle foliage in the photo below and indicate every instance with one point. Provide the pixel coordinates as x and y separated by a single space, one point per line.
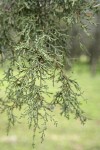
34 37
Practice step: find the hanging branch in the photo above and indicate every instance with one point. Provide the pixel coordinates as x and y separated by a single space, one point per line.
35 42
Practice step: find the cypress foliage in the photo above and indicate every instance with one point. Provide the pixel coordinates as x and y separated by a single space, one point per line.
34 37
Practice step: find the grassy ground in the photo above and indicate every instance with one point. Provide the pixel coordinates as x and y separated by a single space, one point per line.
70 134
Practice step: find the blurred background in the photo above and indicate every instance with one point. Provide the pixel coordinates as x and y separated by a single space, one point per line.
69 134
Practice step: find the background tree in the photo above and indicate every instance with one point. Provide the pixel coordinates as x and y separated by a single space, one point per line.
34 35
90 40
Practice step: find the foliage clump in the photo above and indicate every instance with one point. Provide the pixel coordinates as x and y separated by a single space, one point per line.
34 38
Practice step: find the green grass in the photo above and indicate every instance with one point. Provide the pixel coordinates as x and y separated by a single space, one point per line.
70 134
